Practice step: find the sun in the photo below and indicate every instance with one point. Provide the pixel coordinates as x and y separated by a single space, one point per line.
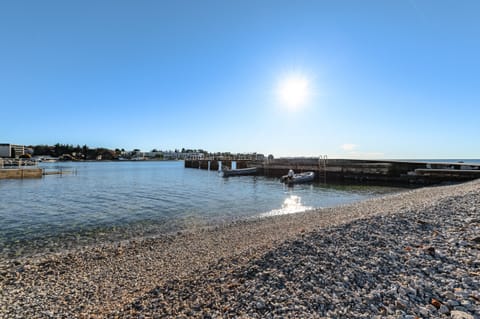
293 91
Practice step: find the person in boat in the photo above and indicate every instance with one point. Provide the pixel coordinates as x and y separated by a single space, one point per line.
290 174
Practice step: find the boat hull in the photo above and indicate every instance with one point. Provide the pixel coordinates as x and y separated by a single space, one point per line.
239 172
299 178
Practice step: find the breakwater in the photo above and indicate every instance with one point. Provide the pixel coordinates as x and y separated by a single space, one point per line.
21 173
360 171
32 172
13 168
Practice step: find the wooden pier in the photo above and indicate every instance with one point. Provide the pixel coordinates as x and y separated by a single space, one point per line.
357 171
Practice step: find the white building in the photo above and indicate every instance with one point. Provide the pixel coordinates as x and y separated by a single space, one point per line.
11 150
193 156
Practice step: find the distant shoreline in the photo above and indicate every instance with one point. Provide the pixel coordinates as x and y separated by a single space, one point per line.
114 160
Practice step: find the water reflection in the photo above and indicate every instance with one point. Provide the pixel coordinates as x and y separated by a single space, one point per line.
291 205
120 200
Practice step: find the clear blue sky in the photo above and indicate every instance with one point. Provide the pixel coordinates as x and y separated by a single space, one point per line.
386 79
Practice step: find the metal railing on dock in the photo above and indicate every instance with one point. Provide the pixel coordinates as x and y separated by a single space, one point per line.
58 171
17 162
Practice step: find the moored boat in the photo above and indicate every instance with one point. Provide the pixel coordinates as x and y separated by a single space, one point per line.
239 172
292 178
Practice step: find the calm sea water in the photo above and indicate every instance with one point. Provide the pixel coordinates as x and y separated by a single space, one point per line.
116 200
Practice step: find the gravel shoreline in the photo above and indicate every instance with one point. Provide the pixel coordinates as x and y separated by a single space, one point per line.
406 255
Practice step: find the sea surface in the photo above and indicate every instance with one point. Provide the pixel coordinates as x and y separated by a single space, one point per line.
101 201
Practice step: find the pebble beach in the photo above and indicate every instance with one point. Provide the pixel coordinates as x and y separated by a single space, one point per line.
414 254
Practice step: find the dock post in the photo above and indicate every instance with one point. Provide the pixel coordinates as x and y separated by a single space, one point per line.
325 161
322 159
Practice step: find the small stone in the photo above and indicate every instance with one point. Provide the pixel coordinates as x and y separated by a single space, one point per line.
196 307
476 240
430 251
456 314
443 309
424 312
453 303
400 305
260 305
436 303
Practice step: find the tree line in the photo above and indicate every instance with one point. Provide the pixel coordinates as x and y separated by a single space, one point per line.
75 152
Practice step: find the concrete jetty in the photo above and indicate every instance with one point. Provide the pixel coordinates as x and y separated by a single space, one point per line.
357 171
20 173
18 168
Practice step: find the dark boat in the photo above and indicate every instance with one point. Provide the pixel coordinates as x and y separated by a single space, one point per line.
239 172
293 178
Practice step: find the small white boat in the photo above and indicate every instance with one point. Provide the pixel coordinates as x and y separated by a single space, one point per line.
238 172
48 159
292 178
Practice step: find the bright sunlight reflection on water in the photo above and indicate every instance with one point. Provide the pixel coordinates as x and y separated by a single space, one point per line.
291 205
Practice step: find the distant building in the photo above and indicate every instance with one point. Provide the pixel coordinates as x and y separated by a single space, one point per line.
156 154
193 156
259 157
11 150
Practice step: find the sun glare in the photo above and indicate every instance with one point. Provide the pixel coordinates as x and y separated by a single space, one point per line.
293 91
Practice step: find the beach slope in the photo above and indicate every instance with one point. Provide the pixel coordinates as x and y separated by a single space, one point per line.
406 255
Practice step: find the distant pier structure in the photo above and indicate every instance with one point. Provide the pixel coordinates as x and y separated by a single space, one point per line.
382 172
216 165
12 168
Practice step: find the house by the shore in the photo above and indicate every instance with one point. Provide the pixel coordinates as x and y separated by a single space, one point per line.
11 150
